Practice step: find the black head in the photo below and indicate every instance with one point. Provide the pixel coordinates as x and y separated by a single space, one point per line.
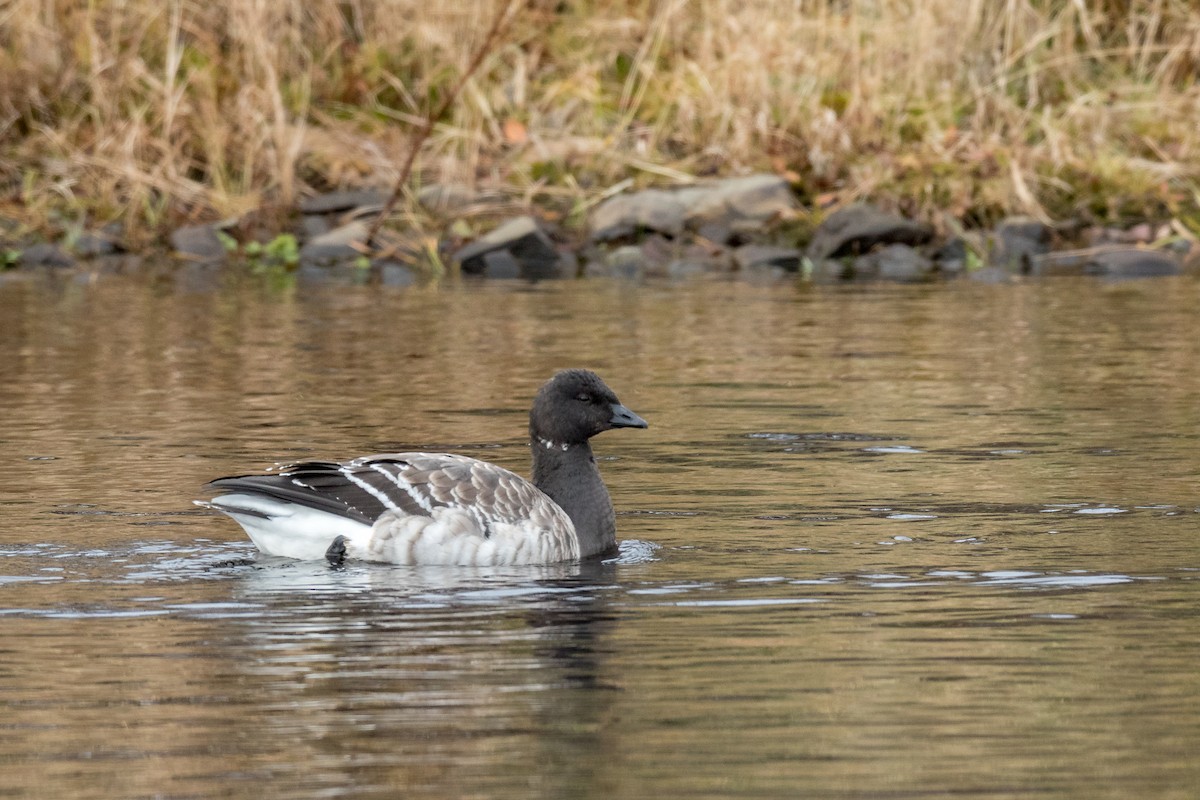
574 406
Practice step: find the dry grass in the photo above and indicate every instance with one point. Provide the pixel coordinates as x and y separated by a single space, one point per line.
157 111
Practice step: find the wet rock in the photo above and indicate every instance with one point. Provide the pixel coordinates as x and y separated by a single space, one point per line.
951 257
751 257
1016 241
717 211
1111 262
517 248
198 243
344 243
896 262
94 244
45 254
1135 263
858 228
991 275
700 257
337 202
623 262
395 273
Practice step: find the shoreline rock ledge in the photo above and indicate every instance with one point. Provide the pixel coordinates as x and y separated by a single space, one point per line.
719 211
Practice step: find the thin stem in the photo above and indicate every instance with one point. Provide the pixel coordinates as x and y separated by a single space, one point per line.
418 137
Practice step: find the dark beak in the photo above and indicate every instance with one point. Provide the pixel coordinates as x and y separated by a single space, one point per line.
622 417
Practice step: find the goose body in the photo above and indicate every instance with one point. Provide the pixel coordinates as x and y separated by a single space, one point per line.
439 508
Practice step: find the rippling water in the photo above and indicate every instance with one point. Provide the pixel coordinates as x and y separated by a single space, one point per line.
878 542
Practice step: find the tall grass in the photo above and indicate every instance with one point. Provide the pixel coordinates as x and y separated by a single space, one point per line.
160 110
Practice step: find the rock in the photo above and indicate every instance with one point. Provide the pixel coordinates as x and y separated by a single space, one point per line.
45 254
314 225
199 243
93 244
624 262
395 273
1113 261
991 275
951 257
626 214
761 257
336 245
519 245
736 205
896 262
1018 240
858 228
717 211
499 264
337 202
1135 263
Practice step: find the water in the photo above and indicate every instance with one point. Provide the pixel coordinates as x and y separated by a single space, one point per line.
879 542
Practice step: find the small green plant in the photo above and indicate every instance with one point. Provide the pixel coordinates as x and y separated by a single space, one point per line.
9 258
228 242
281 254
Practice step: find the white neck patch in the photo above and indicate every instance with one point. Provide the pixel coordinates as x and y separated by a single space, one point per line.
549 445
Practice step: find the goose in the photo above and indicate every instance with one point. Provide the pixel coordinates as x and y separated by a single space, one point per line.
444 509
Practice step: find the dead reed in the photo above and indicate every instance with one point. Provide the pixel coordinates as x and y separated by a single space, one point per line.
154 112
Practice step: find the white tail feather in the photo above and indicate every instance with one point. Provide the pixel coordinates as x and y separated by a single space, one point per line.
288 529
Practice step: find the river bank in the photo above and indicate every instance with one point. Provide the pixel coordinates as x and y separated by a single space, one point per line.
137 120
752 227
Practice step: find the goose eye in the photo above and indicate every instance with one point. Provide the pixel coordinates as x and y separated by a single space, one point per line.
583 397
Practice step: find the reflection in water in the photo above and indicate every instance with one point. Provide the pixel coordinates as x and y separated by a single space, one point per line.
412 680
881 541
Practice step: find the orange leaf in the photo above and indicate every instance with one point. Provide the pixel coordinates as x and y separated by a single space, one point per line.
514 131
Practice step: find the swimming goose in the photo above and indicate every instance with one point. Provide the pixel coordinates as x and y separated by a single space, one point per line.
437 508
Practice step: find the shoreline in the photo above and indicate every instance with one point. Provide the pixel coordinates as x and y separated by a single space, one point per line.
752 226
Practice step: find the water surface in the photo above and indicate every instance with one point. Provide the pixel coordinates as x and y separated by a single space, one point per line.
879 541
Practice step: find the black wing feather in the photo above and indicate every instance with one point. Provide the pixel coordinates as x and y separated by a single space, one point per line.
324 486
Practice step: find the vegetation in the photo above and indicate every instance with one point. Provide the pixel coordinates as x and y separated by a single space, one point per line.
158 112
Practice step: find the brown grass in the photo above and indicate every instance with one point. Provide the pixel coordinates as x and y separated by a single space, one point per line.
157 111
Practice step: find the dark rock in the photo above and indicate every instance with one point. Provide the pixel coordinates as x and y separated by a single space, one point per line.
991 275
344 243
500 264
93 244
896 262
1113 262
1135 263
522 242
395 273
624 262
1016 241
199 243
314 225
762 257
45 254
951 257
858 228
337 202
